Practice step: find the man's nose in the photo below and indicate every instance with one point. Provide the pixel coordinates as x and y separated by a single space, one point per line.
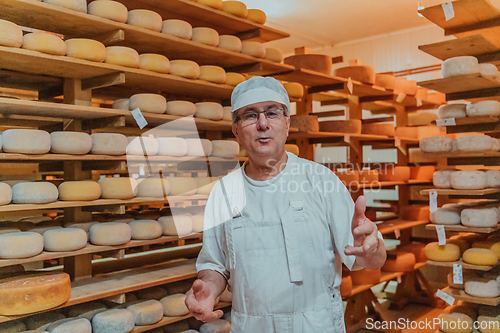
262 122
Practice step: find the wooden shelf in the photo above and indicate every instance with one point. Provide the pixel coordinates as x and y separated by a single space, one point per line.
378 185
312 78
389 226
460 295
460 262
455 158
461 84
463 228
449 191
321 135
475 45
485 124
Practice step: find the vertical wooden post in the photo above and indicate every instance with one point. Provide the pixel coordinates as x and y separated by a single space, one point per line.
303 108
402 155
355 148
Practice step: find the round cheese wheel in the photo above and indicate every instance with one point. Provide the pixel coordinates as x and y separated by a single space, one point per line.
197 223
378 129
143 145
394 174
218 325
488 324
10 249
435 144
122 103
64 239
489 244
225 148
475 143
80 325
479 287
67 142
34 193
422 173
209 110
404 262
36 322
153 187
405 86
205 184
182 185
233 79
468 180
305 123
467 275
45 43
147 313
145 229
83 190
118 188
181 108
447 252
483 108
441 179
387 81
455 323
421 118
254 49
198 147
185 68
78 5
178 28
493 178
172 146
155 293
341 126
459 66
152 103
294 89
365 276
274 54
205 35
87 49
488 70
178 225
154 62
365 74
10 34
227 114
110 233
85 226
480 256
294 149
257 16
448 215
146 19
229 42
113 321
122 56
236 8
5 194
173 305
109 143
111 10
213 74
479 217
496 144
25 141
415 212
452 111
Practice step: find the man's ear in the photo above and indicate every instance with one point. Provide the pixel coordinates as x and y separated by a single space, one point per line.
234 128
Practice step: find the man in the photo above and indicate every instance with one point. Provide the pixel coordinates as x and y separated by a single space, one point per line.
278 228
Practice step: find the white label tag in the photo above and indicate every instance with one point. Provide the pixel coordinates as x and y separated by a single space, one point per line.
446 122
397 233
397 141
433 201
350 85
141 170
401 97
457 274
139 118
449 13
441 234
347 137
445 297
419 101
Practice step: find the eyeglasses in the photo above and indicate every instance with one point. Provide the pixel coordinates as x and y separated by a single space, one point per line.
251 117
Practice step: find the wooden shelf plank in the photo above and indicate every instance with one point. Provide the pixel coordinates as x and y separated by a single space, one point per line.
449 191
389 226
378 185
460 295
475 45
460 83
460 262
484 124
337 135
311 78
463 228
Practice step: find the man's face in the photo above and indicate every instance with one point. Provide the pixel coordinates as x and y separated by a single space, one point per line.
265 137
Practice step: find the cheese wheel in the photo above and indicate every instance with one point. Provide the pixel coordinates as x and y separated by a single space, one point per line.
387 81
25 141
173 305
205 184
172 146
475 143
365 276
153 103
67 142
442 178
155 293
111 10
452 111
180 326
225 148
87 49
467 275
341 126
254 49
110 233
147 313
122 56
185 68
85 226
459 66
294 149
227 114
479 217
217 4
257 16
154 62
294 89
455 323
45 43
394 174
447 252
233 79
181 108
479 287
448 215
5 194
36 322
480 256
378 129
178 225
8 230
305 123
205 35
64 239
274 54
113 321
197 223
143 146
488 70
488 324
118 188
365 74
13 327
422 173
415 212
146 19
122 103
178 28
80 325
213 74
236 8
78 5
493 178
34 193
229 42
404 262
32 293
10 34
10 249
218 325
153 187
405 86
435 144
490 245
483 108
468 180
109 143
199 147
182 185
417 249
83 190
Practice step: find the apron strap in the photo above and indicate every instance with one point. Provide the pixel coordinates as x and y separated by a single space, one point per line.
290 237
228 229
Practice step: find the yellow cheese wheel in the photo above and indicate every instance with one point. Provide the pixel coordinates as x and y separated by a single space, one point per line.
386 81
34 193
361 73
227 114
84 190
78 5
254 49
10 34
25 141
233 79
178 28
45 43
480 256
217 4
174 306
111 10
122 56
181 108
153 187
365 276
404 262
274 54
447 252
178 225
294 89
236 8
146 19
185 68
205 35
5 194
118 188
64 239
229 42
153 103
110 233
455 323
213 74
257 16
294 149
182 185
404 86
87 49
109 143
33 293
10 249
415 213
209 110
154 62
68 142
489 244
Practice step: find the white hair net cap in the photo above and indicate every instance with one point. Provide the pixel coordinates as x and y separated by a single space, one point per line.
258 89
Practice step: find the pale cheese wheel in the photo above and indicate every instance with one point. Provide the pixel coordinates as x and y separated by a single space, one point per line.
172 146
468 180
38 321
205 184
153 103
394 174
479 217
155 293
145 229
25 141
5 194
34 193
10 34
182 185
442 178
365 276
45 43
225 148
181 108
448 215
78 5
493 178
233 79
80 325
361 73
294 89
118 188
185 68
178 28
459 66
229 42
480 256
83 190
122 56
197 223
64 239
87 49
488 70
68 142
111 10
483 108
174 306
10 249
8 230
479 287
254 49
213 74
178 225
121 103
435 144
142 145
13 327
205 35
422 173
415 213
147 313
305 123
447 252
236 8
257 16
146 19
274 54
109 143
110 233
153 187
378 129
198 147
227 113
154 62
387 81
404 262
341 126
452 111
216 326
455 323
85 226
294 149
113 321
